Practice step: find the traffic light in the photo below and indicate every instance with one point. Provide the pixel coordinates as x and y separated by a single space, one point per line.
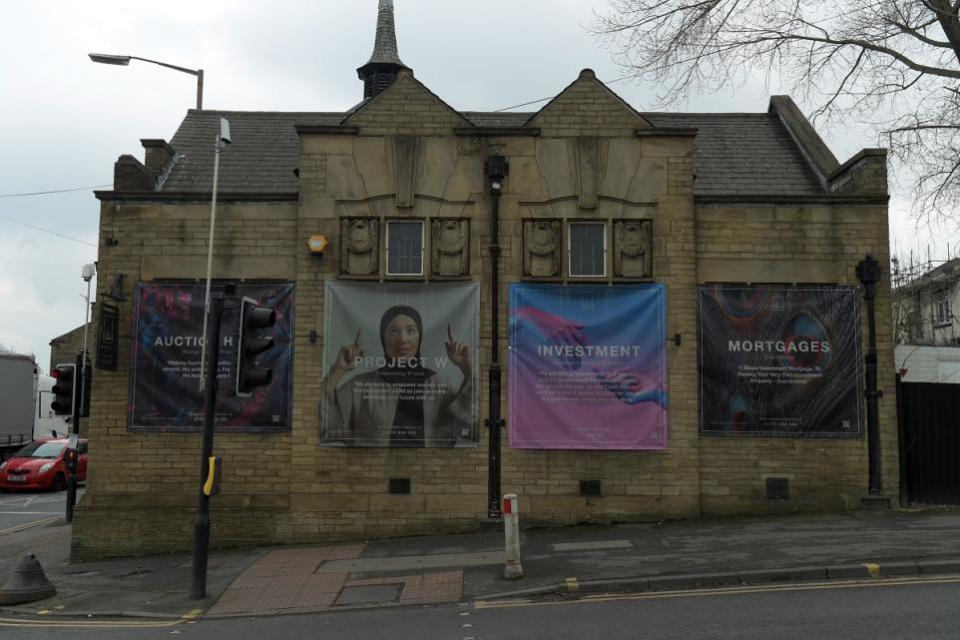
63 390
71 458
250 345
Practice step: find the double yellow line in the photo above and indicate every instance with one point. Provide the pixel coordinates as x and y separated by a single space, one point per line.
30 525
100 624
722 591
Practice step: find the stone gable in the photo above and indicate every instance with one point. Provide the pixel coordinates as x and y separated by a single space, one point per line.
588 107
407 107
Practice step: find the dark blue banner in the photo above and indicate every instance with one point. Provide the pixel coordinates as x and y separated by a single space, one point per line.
165 360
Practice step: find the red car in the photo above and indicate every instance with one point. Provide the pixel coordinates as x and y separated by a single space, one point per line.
41 465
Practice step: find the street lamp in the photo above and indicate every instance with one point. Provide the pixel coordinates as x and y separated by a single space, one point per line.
106 58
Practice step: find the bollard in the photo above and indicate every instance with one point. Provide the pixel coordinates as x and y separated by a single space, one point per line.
512 570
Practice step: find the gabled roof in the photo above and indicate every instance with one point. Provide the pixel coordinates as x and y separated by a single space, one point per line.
387 100
733 153
588 78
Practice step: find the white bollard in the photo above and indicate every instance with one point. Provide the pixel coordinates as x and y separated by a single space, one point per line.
512 570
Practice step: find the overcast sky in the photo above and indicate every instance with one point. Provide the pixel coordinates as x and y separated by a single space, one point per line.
66 120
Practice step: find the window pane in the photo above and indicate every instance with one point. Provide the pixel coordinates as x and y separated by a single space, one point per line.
405 248
587 249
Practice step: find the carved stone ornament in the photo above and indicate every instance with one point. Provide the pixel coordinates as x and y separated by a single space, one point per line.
633 248
361 249
450 247
542 246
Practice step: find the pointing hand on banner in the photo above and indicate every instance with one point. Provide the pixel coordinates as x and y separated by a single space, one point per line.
346 360
458 352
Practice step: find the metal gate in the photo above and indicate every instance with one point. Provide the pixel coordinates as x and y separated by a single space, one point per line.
929 422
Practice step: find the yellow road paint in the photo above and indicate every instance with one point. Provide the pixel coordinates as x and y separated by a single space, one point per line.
66 623
873 569
722 591
30 525
572 585
89 624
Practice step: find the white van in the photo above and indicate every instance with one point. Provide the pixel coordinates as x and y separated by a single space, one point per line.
46 423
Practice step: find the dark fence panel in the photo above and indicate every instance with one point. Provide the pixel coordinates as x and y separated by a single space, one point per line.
930 442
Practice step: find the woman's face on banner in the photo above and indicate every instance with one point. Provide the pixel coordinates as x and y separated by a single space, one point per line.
402 337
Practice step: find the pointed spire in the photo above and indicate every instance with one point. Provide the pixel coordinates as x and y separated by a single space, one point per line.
384 64
385 45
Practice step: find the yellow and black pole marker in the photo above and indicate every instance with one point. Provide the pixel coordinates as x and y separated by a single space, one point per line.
212 486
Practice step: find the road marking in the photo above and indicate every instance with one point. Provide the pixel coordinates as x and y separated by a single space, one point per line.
189 616
721 591
30 525
28 513
90 624
590 546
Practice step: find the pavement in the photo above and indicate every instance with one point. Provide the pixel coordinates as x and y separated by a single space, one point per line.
431 570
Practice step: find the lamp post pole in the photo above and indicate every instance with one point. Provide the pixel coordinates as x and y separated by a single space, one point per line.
868 272
106 58
209 365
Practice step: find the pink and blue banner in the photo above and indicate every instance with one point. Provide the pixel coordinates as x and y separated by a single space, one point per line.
588 367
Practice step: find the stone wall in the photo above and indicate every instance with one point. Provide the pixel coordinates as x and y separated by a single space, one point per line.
407 154
65 349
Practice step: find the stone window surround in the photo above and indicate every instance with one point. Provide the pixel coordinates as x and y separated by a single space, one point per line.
427 249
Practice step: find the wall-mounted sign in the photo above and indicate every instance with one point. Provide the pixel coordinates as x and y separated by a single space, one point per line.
779 361
165 360
401 365
107 329
588 367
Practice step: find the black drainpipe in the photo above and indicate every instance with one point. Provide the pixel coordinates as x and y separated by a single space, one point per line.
868 272
496 170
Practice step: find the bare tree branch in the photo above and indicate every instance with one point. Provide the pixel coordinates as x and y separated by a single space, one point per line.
892 63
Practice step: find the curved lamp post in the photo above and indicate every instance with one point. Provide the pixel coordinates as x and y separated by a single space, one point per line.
106 58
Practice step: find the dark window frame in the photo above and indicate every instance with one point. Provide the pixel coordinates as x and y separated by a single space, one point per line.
388 254
604 254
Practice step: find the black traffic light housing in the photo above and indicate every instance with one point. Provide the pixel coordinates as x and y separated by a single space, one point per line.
252 319
65 389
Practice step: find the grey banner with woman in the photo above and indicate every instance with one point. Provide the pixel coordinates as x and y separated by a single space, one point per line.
400 363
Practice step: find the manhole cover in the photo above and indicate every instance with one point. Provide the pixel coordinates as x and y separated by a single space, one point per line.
369 595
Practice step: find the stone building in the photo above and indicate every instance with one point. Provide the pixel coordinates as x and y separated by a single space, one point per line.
404 189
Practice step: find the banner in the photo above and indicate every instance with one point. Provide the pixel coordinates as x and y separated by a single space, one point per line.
779 360
401 365
588 367
165 360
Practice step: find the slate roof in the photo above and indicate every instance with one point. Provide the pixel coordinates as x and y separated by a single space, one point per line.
748 154
261 159
743 154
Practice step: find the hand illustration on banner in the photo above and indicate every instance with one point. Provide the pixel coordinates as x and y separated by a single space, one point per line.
346 360
459 353
631 387
550 328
